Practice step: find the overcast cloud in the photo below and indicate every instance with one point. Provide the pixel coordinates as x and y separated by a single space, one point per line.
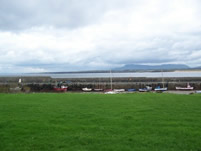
69 35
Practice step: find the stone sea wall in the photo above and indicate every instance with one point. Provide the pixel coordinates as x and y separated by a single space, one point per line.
46 84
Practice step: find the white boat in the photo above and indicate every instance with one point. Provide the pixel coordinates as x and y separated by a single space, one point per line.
147 89
119 90
99 88
86 89
143 90
160 89
16 89
111 92
185 88
199 91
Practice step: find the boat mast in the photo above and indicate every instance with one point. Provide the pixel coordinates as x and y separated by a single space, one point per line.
162 78
111 79
99 83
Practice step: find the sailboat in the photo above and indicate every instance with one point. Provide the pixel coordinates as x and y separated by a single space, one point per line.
185 88
147 89
98 89
158 88
110 91
59 87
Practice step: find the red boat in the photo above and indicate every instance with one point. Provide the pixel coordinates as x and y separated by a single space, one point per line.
61 89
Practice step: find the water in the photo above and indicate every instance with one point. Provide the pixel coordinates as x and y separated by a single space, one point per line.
107 75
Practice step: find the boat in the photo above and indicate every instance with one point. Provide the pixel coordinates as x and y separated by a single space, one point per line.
61 88
86 89
147 89
158 88
110 91
185 88
131 90
119 90
143 90
16 89
98 89
198 91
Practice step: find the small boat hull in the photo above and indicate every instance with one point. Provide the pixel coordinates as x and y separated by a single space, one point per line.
188 88
183 88
60 89
160 89
131 90
143 90
98 89
148 88
110 92
86 89
119 90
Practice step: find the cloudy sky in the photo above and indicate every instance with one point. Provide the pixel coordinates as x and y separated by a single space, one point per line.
70 35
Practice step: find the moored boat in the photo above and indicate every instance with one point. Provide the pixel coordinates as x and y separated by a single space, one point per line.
111 92
86 89
143 90
98 89
159 89
61 88
185 88
119 90
147 89
131 90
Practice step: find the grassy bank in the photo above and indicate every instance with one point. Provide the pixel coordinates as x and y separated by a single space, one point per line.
82 122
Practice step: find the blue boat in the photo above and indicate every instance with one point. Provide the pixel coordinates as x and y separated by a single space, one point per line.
131 90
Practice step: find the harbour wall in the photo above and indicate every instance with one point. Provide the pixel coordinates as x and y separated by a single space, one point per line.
46 84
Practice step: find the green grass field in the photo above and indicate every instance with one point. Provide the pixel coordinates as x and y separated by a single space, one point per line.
98 122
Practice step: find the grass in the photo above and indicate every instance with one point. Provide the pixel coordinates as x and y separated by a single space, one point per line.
98 122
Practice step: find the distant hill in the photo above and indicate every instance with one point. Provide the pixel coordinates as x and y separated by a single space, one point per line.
197 67
153 67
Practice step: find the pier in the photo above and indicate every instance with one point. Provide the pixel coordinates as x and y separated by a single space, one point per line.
46 84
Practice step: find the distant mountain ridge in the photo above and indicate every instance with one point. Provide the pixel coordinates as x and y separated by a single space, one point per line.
153 67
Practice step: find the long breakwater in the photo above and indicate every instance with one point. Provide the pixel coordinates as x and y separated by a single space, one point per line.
46 84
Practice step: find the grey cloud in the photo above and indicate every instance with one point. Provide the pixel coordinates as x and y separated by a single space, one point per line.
106 44
23 14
